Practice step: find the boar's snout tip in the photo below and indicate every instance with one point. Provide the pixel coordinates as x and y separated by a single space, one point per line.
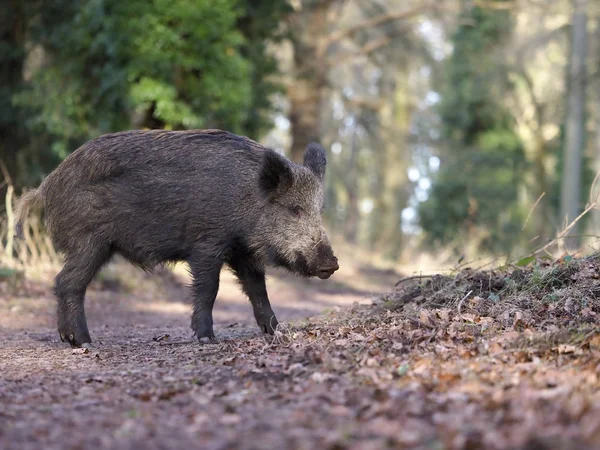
325 272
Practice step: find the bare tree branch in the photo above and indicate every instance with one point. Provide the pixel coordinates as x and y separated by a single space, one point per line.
509 4
374 104
373 22
540 41
538 107
369 47
336 11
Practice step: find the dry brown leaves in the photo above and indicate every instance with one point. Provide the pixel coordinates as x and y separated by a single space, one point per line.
514 364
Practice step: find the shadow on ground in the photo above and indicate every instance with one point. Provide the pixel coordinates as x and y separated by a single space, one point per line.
124 302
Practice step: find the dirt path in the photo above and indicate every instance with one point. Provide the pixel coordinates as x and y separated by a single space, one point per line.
480 360
132 391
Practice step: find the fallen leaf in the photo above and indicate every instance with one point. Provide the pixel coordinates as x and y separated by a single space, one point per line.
80 351
444 314
425 318
565 349
161 337
468 317
594 342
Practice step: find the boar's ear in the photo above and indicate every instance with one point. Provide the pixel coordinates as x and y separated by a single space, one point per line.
314 159
275 175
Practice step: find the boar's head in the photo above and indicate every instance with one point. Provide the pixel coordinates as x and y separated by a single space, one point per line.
291 223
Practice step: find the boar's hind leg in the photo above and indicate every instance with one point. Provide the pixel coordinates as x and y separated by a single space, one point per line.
70 286
252 278
205 271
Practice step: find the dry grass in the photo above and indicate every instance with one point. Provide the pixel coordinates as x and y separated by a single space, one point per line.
33 258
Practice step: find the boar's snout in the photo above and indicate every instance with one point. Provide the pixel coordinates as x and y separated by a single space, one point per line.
325 272
327 263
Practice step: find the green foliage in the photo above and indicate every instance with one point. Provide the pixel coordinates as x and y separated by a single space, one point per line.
260 25
475 78
478 183
109 65
12 58
191 72
524 262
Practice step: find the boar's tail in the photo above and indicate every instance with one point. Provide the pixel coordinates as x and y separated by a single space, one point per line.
24 204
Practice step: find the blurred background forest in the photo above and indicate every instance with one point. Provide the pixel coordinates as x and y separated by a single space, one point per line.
455 127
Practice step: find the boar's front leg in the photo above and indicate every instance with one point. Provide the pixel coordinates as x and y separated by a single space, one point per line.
252 278
205 269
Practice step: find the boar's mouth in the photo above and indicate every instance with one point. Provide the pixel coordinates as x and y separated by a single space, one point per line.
299 266
325 272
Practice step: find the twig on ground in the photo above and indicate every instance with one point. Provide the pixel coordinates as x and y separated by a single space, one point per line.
592 187
564 232
163 343
461 302
414 277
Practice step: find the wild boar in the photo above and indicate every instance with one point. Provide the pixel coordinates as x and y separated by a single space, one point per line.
204 197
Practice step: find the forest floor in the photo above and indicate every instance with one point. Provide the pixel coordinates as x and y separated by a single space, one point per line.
499 360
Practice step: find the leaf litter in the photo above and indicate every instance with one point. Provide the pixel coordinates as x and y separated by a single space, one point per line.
503 359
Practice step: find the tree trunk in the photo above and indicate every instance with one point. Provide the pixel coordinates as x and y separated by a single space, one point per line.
351 183
392 158
541 216
595 95
305 97
309 29
571 180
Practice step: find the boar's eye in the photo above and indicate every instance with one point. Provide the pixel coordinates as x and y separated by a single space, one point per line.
296 211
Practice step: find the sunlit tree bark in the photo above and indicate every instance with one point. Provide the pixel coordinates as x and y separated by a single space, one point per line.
574 139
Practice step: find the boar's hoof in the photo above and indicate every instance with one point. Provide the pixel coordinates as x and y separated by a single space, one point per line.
208 340
77 338
203 328
267 322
